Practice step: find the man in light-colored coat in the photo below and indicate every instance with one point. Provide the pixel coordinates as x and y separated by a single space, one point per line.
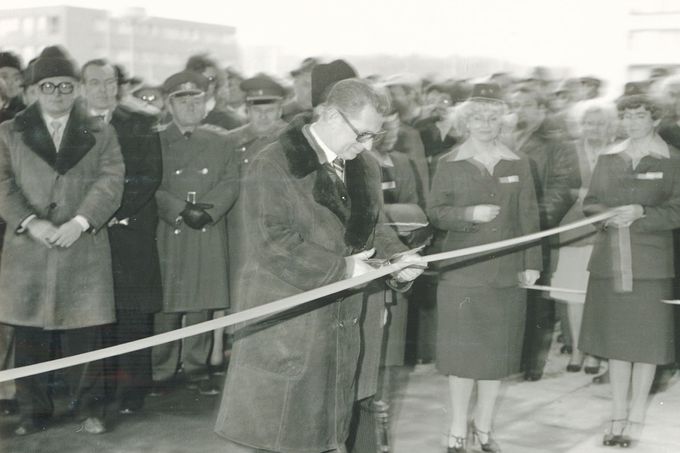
61 179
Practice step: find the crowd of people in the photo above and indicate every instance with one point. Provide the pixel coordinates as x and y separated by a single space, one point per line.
131 210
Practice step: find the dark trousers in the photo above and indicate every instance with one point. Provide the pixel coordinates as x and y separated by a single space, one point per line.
129 375
86 382
540 324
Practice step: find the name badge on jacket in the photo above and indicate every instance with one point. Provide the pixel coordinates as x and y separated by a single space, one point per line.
508 179
649 175
389 185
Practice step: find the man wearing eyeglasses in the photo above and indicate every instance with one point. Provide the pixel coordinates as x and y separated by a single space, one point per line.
199 185
61 179
314 216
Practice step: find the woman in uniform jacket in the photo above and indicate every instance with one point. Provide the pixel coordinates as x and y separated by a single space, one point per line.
482 192
631 267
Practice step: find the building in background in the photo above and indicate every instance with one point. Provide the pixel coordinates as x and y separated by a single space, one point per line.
148 47
653 37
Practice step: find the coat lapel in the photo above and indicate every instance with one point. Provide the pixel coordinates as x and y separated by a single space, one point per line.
77 140
355 203
35 135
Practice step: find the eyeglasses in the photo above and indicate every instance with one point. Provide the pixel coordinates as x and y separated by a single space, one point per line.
362 137
147 97
63 88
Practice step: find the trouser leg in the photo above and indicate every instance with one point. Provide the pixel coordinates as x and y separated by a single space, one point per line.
196 349
540 324
33 345
7 389
165 357
134 368
86 381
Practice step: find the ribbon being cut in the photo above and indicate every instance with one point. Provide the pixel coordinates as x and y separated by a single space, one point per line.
272 308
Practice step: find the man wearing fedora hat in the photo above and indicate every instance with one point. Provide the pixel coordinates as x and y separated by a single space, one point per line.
314 216
62 180
199 185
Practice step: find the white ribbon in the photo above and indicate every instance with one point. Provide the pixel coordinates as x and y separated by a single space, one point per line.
280 305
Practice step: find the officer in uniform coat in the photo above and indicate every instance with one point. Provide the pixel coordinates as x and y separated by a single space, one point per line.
199 185
264 98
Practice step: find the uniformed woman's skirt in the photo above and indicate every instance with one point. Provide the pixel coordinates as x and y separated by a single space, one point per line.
479 331
634 326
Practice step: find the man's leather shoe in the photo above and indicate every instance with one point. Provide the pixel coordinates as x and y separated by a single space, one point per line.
94 425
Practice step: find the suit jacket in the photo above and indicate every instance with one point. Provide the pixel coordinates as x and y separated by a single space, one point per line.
654 184
291 380
460 184
58 288
136 271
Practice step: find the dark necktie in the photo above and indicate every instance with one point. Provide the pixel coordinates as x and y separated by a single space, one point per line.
339 167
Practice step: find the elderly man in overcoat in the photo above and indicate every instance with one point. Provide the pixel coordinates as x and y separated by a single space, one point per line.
291 380
61 179
199 185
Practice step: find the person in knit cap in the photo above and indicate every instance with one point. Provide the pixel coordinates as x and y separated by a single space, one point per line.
64 174
315 217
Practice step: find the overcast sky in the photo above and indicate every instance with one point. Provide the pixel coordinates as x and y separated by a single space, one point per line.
549 32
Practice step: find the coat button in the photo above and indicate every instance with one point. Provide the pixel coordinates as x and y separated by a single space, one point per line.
493 195
355 321
243 149
245 161
52 206
204 171
178 172
341 324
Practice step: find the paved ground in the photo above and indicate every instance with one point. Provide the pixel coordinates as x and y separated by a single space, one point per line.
563 413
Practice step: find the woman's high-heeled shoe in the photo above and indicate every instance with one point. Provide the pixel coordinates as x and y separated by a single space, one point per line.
591 365
631 434
613 436
486 442
456 444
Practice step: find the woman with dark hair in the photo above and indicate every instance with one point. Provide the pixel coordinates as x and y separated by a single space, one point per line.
631 267
482 192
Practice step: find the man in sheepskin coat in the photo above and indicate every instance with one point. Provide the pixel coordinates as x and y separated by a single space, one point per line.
292 379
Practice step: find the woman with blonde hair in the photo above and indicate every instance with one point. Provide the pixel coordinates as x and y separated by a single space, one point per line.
482 192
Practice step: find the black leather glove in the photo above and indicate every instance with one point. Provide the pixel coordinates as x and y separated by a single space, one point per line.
194 215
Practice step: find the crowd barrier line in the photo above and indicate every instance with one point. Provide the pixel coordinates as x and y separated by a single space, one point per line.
281 305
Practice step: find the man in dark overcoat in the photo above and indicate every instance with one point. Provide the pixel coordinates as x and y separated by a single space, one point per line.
556 174
313 221
132 234
61 180
199 185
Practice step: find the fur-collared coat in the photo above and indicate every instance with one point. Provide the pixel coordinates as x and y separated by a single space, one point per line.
292 378
58 288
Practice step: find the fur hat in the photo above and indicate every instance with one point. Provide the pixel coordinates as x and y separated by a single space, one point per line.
324 76
52 62
9 60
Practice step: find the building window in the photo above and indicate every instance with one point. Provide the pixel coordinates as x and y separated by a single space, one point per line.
28 25
53 24
8 26
41 24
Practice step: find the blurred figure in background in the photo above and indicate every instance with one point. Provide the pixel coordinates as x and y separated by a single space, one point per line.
597 120
302 86
403 89
556 176
263 97
217 93
11 74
